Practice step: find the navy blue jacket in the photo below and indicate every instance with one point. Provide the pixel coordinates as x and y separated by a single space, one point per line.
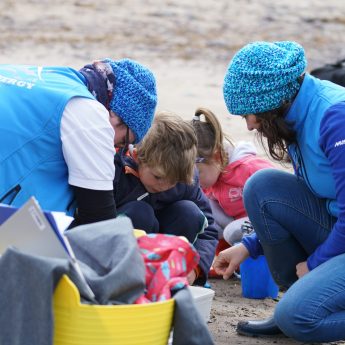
127 187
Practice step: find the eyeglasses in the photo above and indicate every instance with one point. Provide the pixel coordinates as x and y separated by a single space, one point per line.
126 139
119 125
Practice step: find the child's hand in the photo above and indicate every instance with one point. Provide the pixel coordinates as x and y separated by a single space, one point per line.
229 259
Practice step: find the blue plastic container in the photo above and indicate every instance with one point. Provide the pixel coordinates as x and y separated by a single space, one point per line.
256 279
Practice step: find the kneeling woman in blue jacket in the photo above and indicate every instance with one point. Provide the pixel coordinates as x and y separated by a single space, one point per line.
299 218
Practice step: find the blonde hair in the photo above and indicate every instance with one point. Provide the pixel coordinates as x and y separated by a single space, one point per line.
170 148
210 137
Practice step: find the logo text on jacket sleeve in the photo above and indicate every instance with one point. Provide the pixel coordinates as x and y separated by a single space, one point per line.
16 82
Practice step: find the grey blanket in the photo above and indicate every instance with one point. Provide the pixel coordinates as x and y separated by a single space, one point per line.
109 257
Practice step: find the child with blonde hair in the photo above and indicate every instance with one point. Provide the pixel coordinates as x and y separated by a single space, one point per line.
157 187
224 167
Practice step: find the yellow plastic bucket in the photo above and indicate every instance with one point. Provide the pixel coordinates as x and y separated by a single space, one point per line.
138 233
83 324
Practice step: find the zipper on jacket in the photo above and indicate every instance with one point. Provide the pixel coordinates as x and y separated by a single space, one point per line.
302 170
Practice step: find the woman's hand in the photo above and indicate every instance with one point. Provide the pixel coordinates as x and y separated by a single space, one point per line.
302 269
229 259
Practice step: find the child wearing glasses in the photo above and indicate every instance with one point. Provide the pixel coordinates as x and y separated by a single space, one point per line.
224 169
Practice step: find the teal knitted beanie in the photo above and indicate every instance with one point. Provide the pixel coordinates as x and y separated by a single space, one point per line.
262 75
135 97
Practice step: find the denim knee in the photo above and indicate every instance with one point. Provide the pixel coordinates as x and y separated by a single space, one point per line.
265 195
295 320
257 187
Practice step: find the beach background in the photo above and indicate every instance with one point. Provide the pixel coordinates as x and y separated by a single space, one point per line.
188 45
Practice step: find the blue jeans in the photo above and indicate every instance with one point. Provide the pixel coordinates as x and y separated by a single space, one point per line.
313 309
289 220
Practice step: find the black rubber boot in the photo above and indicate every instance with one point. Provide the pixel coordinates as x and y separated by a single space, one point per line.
282 259
261 328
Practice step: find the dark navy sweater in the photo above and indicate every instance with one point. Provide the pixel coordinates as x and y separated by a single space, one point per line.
128 188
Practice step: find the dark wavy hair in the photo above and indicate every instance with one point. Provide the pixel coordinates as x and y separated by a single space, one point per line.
276 130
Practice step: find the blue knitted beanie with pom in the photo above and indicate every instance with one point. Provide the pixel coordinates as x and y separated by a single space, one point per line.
135 97
262 75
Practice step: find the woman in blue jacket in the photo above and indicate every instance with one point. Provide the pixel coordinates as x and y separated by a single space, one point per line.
58 129
299 218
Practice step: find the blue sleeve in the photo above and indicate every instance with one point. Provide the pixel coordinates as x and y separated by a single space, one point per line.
332 142
252 243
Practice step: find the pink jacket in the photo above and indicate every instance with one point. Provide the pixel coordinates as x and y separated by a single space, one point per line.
229 187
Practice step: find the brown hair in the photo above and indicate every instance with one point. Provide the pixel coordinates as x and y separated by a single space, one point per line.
170 147
278 133
210 137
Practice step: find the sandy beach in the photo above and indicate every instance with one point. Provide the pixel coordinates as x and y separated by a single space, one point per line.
188 45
